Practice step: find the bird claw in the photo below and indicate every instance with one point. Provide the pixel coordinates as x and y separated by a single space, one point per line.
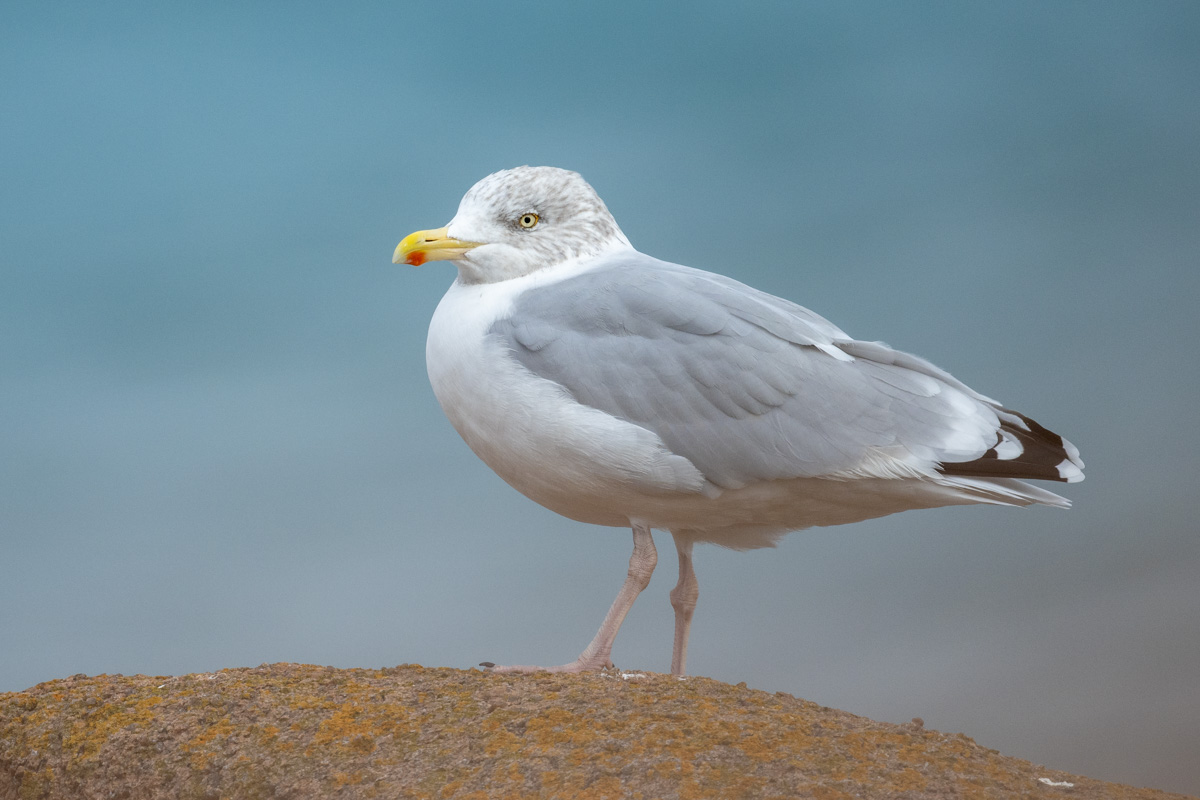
575 666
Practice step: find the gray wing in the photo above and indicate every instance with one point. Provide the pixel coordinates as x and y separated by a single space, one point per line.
745 385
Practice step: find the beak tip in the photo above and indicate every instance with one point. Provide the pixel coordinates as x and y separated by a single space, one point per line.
436 245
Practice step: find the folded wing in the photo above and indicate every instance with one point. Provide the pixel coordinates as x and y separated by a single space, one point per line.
750 387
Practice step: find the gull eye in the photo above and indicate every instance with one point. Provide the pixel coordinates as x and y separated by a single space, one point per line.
528 220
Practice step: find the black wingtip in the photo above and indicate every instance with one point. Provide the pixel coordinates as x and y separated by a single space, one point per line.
1023 449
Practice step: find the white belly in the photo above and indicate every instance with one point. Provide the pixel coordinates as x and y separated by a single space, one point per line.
575 460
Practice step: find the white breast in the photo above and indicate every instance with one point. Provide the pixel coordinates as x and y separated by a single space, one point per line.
573 459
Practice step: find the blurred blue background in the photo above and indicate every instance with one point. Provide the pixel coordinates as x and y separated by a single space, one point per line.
218 446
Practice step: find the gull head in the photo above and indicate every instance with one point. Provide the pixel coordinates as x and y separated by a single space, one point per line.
516 222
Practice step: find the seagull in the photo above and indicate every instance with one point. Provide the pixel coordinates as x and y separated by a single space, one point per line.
616 389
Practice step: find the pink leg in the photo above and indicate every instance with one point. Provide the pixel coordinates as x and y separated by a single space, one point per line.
683 598
596 656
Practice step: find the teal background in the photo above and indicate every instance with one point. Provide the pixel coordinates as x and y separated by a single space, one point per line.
218 446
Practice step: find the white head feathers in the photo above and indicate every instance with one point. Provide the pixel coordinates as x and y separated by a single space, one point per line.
530 218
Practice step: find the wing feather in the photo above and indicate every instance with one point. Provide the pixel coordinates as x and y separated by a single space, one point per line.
750 387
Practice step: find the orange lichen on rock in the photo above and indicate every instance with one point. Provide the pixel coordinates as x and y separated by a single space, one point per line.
302 731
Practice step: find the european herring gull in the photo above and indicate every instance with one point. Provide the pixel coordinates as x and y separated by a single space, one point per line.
617 389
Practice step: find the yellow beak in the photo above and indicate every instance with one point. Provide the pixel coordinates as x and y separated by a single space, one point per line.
435 245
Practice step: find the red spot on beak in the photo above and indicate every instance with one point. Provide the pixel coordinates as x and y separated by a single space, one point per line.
416 258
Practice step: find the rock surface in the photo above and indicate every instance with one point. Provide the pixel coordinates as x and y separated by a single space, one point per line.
294 731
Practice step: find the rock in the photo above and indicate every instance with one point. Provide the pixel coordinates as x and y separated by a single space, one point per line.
294 731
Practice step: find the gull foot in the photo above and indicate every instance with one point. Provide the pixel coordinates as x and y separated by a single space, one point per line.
578 665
